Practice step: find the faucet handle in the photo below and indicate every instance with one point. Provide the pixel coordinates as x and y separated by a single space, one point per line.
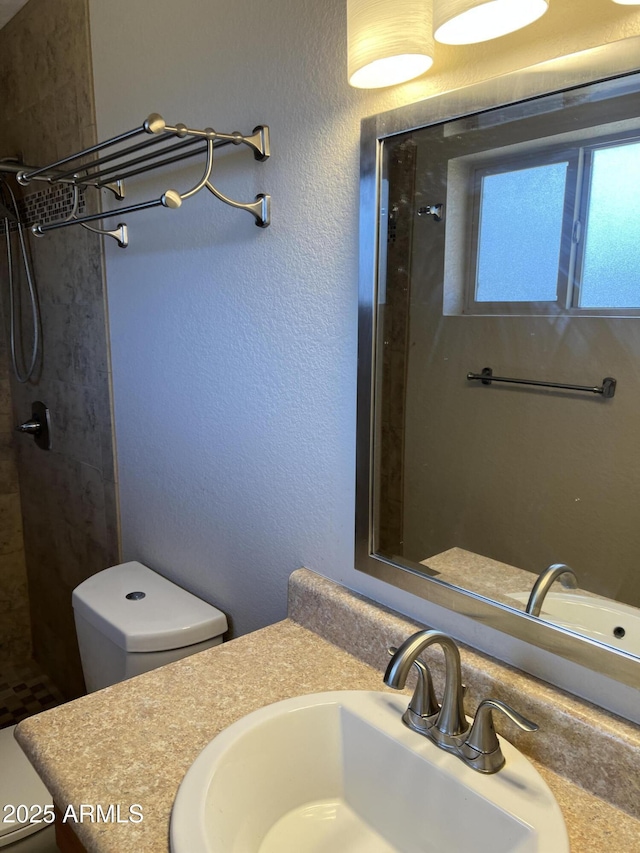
482 749
423 702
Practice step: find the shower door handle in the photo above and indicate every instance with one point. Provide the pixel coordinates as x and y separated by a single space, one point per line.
39 426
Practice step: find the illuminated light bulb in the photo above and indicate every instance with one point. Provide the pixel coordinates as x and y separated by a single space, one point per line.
472 21
389 41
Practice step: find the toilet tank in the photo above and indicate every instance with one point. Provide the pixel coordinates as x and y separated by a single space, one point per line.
129 620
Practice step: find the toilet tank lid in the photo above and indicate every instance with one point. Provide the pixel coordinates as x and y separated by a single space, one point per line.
163 617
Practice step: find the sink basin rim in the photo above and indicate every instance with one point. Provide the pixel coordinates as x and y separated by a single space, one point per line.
188 822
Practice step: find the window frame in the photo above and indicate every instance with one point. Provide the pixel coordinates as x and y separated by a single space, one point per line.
579 158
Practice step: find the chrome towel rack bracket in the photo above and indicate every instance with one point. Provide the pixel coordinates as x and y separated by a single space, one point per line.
99 168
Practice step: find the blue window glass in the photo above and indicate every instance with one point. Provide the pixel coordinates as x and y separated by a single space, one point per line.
612 241
520 230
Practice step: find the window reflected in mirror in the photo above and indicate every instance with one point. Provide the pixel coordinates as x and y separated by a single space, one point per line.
509 239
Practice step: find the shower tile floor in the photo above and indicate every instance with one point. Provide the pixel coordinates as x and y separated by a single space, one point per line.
24 691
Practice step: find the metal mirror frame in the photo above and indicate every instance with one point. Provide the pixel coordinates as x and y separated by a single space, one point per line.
601 64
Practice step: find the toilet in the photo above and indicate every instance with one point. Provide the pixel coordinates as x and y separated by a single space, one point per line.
129 620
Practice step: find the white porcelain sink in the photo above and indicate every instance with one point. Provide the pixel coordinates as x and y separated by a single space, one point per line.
595 617
339 773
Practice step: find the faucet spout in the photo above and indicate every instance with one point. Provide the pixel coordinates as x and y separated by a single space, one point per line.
447 726
543 583
451 721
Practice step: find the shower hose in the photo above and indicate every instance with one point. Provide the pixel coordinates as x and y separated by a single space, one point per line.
12 214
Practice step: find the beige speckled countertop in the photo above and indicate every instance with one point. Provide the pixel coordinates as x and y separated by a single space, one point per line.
481 575
133 742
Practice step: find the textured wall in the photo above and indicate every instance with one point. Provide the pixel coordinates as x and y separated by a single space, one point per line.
234 349
68 494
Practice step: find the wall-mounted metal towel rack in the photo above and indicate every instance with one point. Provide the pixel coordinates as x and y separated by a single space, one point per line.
96 167
607 389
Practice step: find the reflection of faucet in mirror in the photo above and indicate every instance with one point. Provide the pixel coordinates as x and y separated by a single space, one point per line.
541 587
447 726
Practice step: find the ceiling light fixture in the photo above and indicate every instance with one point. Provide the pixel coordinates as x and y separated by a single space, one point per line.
472 21
390 41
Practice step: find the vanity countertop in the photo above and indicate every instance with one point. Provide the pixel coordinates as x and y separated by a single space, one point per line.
133 742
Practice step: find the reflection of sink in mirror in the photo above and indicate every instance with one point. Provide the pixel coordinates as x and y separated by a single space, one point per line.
599 618
340 772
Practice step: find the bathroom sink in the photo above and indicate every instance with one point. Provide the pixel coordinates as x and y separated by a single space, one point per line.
339 771
592 616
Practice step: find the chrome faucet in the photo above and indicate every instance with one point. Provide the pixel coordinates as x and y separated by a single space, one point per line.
423 708
481 750
447 725
541 587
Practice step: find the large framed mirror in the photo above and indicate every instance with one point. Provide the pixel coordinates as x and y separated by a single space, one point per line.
499 354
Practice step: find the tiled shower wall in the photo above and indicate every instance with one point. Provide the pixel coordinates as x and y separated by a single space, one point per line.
15 634
68 494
